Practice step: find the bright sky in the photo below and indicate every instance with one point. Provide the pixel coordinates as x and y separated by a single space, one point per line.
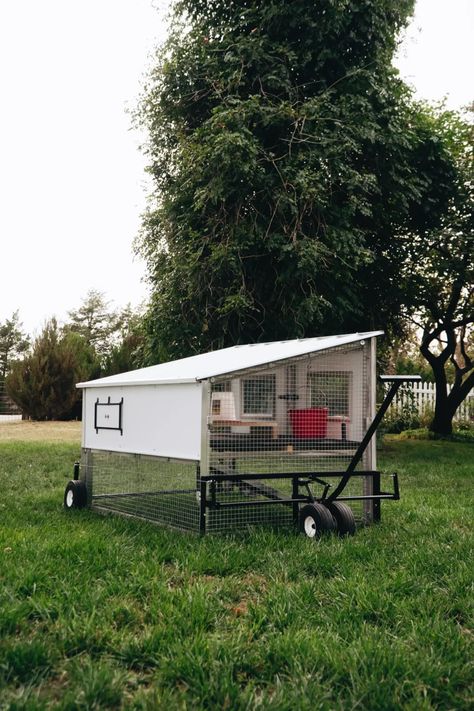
72 179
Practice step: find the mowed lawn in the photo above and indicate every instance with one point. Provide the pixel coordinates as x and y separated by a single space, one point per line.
105 612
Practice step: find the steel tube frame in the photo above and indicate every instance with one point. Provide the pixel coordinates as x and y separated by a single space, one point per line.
298 479
396 381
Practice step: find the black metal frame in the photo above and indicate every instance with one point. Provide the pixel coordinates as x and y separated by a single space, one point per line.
300 480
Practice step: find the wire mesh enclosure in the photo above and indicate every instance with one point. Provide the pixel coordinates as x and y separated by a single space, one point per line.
301 416
256 442
153 488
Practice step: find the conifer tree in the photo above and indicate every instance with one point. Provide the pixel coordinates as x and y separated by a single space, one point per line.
43 384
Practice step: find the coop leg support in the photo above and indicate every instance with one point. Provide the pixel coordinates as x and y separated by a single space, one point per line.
396 487
294 495
376 502
202 507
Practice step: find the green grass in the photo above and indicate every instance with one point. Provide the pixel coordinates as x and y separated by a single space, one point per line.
105 612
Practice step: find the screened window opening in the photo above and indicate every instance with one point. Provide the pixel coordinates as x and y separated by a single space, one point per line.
258 396
224 386
331 389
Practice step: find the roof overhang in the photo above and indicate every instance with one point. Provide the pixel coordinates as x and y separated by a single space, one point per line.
227 361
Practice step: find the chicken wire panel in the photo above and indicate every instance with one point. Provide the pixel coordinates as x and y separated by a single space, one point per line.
228 519
156 489
300 416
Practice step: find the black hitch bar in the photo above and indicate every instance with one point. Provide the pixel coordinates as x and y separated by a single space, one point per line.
298 480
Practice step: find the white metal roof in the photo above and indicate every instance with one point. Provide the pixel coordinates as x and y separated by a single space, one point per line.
226 360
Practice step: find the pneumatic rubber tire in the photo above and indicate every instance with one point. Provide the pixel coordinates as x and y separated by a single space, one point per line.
75 496
345 521
315 520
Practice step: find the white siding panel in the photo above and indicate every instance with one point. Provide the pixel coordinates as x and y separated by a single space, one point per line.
162 420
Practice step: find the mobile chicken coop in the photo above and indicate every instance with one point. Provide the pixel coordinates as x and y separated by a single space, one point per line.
275 433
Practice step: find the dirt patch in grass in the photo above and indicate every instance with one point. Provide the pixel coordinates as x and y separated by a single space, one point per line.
27 431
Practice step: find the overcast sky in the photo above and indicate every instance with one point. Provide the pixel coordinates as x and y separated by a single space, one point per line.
72 179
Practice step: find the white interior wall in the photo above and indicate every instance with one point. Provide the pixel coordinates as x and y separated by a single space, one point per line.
352 362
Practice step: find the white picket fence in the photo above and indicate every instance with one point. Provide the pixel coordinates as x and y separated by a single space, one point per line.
422 396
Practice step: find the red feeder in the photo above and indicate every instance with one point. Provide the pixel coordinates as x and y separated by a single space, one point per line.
311 423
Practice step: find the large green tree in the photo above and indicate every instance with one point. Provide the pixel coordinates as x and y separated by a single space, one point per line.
437 278
287 159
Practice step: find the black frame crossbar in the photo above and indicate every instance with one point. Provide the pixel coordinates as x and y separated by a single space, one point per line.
247 476
132 494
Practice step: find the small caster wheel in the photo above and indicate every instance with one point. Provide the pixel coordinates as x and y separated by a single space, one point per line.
75 496
345 521
316 519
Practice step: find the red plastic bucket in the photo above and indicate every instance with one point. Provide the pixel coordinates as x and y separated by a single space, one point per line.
311 423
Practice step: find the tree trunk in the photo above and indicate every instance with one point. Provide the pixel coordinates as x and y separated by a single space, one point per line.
442 422
446 405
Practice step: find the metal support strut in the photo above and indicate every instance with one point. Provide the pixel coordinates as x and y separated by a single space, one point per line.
397 381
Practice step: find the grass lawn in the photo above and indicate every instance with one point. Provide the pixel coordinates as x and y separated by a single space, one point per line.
26 431
104 612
